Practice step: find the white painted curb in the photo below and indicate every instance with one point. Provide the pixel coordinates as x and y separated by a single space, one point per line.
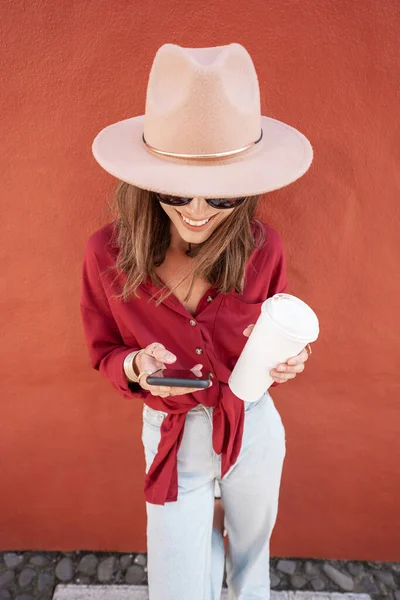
140 592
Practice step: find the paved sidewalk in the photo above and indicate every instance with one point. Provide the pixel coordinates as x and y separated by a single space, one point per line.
126 592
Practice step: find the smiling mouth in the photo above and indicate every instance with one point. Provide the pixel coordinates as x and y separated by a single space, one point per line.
194 223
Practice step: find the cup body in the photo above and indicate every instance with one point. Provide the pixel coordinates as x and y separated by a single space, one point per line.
286 325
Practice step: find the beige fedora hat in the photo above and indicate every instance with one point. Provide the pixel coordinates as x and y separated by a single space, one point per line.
202 133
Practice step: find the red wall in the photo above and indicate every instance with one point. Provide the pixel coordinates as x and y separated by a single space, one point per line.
70 451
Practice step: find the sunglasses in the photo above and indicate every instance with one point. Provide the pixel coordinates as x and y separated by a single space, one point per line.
220 203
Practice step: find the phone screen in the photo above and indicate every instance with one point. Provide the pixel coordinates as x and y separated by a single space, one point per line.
178 374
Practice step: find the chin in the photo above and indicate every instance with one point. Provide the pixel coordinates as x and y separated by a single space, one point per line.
193 237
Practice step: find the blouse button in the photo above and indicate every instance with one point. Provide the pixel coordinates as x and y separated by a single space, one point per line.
199 351
210 298
192 322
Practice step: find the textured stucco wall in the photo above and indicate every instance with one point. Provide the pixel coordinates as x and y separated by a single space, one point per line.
70 450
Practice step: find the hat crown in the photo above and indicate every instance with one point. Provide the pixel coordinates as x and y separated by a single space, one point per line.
202 100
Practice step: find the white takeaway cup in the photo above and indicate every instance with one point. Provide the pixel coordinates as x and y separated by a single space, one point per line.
286 325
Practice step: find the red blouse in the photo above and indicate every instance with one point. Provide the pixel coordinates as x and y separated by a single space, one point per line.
213 336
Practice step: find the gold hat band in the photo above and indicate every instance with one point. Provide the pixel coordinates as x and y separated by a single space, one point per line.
202 156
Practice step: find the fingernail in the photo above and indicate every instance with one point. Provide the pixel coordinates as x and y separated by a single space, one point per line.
170 357
281 368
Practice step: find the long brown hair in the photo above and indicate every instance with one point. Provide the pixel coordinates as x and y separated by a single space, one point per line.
142 235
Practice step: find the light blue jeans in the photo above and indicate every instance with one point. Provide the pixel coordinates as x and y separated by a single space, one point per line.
185 554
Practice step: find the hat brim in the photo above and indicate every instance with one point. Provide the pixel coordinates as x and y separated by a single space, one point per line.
283 155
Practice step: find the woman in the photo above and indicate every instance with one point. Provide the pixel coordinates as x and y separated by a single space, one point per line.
179 279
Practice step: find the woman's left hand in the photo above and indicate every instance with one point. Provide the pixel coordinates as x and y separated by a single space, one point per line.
288 370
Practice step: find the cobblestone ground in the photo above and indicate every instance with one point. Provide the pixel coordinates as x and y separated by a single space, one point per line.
34 575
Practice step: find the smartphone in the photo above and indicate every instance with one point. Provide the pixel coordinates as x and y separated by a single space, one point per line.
178 378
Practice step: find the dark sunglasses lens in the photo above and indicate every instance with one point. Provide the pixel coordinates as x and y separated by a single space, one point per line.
225 202
173 200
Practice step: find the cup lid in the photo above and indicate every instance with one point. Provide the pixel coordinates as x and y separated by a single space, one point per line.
296 319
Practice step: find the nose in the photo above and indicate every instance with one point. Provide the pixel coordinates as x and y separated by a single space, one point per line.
197 207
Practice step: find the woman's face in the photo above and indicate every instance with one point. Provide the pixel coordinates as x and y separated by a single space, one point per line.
196 221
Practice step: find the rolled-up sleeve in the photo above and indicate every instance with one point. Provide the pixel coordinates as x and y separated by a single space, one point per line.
107 350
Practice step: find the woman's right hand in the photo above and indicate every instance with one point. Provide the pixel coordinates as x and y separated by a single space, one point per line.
152 359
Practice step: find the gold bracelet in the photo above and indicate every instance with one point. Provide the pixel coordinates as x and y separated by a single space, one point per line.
134 364
128 366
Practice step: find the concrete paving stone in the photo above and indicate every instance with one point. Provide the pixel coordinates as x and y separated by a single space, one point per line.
358 588
88 564
134 575
141 560
386 577
287 566
26 577
45 580
311 569
317 584
298 581
13 560
119 577
384 593
65 569
355 569
39 560
274 580
105 569
369 585
125 561
7 578
344 581
5 594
